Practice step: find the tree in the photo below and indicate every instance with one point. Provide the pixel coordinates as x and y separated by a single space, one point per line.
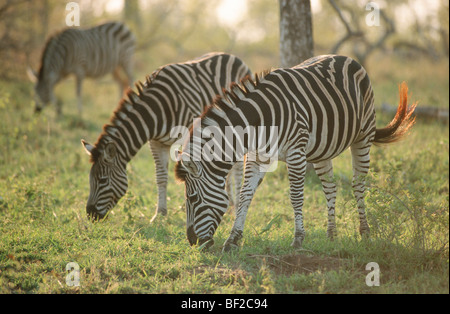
362 45
296 36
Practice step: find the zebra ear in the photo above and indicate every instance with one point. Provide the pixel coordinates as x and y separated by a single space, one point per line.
178 154
87 147
32 75
110 152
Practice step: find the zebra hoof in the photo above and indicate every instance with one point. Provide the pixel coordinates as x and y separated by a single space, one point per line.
230 244
228 247
297 243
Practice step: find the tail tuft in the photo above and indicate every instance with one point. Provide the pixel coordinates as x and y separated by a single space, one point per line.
402 122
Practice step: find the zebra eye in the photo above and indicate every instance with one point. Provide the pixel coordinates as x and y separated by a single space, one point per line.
193 197
103 180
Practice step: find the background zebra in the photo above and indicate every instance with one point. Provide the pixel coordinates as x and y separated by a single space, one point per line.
92 52
320 108
173 96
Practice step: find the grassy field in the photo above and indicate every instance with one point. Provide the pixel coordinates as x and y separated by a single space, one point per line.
44 187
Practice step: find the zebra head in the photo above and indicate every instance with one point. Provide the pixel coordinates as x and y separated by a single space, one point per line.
108 179
206 199
43 88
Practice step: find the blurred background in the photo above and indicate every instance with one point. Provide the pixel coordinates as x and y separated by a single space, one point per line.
177 30
404 40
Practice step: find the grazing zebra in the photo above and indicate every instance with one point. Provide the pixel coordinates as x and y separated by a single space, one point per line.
172 97
92 52
319 108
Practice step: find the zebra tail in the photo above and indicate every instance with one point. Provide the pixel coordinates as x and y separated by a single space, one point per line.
402 122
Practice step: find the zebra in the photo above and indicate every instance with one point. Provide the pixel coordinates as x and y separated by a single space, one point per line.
171 97
319 108
93 52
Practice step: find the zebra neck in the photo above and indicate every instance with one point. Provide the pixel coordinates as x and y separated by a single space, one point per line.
132 125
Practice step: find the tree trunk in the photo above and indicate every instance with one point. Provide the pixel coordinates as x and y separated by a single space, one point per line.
296 39
296 35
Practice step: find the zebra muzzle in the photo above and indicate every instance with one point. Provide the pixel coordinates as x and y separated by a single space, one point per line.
192 237
93 214
194 240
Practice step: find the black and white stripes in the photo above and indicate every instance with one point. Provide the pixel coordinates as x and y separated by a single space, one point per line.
93 52
169 99
320 108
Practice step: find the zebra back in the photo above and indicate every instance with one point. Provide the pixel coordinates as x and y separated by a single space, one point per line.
172 96
329 97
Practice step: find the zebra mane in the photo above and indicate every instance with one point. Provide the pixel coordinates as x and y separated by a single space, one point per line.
220 106
223 104
180 172
111 129
232 95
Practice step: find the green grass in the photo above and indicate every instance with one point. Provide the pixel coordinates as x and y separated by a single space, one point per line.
44 187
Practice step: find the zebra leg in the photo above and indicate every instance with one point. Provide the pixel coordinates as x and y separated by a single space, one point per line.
229 188
252 179
123 84
296 163
128 69
59 107
160 154
233 184
360 161
324 171
79 82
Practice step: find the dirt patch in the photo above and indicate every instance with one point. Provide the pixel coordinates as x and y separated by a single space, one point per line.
301 263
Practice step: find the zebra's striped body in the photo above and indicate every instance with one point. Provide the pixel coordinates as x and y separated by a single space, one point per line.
172 97
320 108
93 52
